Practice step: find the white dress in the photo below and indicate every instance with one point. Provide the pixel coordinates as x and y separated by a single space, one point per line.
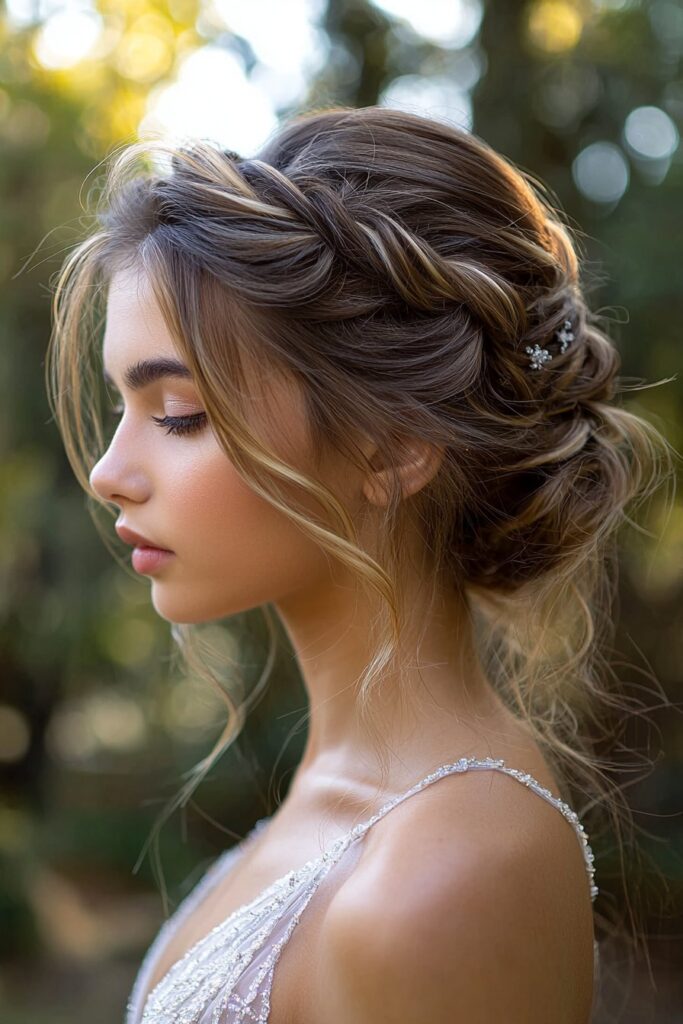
226 977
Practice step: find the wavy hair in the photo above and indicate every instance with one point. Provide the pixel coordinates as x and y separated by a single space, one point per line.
399 270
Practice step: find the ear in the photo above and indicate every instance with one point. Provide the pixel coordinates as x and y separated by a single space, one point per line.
418 463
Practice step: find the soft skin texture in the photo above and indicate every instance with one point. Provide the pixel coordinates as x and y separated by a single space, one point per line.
440 922
233 550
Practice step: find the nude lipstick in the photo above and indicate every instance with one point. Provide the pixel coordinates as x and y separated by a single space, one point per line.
147 558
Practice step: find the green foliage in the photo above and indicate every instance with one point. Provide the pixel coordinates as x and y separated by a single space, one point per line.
79 643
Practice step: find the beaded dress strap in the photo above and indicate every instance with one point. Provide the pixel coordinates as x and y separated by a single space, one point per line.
469 763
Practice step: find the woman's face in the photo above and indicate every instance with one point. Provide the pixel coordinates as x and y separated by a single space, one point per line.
231 549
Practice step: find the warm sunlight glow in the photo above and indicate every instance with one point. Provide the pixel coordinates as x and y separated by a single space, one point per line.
211 98
66 38
145 52
555 26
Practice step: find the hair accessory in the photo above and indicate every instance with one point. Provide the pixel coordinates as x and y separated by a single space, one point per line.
539 356
565 335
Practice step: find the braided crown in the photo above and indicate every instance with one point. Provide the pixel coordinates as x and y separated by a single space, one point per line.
341 226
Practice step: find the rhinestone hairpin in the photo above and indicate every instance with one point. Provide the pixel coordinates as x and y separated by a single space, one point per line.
565 335
539 356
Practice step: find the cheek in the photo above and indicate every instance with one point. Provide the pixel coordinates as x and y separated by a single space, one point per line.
234 551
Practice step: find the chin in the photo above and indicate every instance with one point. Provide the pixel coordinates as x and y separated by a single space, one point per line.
182 612
185 612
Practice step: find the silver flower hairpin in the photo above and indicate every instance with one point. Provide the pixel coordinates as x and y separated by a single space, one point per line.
539 356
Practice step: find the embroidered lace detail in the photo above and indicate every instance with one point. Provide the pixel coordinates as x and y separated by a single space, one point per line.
226 977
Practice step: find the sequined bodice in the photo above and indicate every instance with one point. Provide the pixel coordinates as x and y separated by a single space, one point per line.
226 977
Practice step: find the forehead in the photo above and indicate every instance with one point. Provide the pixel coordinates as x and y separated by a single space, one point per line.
136 335
135 326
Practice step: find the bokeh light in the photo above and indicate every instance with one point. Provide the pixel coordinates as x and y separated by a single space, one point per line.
145 52
452 24
554 25
568 91
190 710
116 721
67 37
69 737
285 39
435 96
601 172
211 98
104 720
649 132
21 13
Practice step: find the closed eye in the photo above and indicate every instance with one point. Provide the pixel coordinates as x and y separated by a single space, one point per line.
181 424
177 425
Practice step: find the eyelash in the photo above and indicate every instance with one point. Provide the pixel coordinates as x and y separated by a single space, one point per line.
177 425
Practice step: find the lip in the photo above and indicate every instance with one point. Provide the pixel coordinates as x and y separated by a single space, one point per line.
137 540
150 560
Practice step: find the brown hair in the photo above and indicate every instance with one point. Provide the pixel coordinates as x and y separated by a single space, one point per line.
397 268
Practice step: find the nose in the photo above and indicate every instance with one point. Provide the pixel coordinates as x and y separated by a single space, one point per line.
118 477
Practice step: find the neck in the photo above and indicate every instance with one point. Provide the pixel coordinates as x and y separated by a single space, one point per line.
433 714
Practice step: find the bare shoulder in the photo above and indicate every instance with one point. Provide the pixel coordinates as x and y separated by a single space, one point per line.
470 903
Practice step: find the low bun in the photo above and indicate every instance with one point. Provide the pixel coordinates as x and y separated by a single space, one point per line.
533 521
583 458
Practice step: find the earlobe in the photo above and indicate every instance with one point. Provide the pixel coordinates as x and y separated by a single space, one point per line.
420 461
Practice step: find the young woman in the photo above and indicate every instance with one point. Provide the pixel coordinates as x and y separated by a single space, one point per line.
360 383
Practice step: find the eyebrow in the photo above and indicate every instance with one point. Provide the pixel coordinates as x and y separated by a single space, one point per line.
146 371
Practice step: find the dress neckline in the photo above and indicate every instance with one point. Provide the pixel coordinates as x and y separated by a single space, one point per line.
292 877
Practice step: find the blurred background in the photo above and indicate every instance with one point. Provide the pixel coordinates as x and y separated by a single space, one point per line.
97 726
